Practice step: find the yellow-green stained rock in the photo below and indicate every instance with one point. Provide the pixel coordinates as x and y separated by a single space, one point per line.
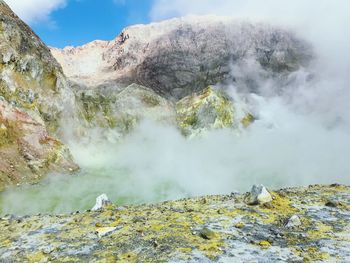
34 96
207 110
264 244
239 225
189 230
206 233
105 231
123 110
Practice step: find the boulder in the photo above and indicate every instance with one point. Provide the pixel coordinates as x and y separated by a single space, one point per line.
294 221
101 202
258 195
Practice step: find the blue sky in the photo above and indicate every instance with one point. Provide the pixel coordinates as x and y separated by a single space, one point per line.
82 21
75 22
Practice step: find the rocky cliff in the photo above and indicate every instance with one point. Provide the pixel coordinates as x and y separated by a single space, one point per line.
172 63
184 55
34 97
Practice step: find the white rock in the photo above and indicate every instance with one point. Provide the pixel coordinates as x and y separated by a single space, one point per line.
259 195
294 221
105 231
101 201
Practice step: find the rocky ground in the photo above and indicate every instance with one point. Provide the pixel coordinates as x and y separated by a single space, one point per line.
308 224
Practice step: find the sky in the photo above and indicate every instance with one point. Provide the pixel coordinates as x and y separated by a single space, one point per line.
62 23
75 22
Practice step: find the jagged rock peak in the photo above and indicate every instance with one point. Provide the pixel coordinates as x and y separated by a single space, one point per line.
183 55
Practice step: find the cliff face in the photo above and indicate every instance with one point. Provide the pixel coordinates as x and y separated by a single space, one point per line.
34 97
180 56
31 78
210 109
178 59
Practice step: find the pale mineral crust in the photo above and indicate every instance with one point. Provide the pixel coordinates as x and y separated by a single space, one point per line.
204 229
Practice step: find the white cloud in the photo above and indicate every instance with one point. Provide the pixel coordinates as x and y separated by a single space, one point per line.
291 12
32 11
322 22
287 10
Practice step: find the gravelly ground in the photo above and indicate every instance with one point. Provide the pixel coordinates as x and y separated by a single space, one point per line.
206 229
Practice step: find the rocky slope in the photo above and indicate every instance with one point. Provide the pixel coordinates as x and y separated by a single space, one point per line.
123 110
173 62
210 109
159 71
34 97
290 225
181 56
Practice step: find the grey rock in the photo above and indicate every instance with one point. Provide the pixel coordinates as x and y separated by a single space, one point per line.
294 221
180 56
258 195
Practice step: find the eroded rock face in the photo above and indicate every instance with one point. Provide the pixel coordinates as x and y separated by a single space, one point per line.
181 56
207 110
204 229
27 151
194 115
34 97
123 110
30 77
173 62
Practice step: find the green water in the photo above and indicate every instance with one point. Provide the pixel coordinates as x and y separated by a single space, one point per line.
156 164
68 193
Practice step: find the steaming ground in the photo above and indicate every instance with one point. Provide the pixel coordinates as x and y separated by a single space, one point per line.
301 137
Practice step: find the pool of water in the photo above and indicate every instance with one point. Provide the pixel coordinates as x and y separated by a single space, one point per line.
156 163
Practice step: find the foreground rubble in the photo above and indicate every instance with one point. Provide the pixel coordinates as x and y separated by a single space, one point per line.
299 225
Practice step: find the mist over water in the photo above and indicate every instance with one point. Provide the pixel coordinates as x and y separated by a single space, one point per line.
301 136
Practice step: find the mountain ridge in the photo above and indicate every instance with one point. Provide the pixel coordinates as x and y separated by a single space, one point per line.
182 55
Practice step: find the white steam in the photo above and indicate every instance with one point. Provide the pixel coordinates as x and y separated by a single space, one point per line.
301 135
